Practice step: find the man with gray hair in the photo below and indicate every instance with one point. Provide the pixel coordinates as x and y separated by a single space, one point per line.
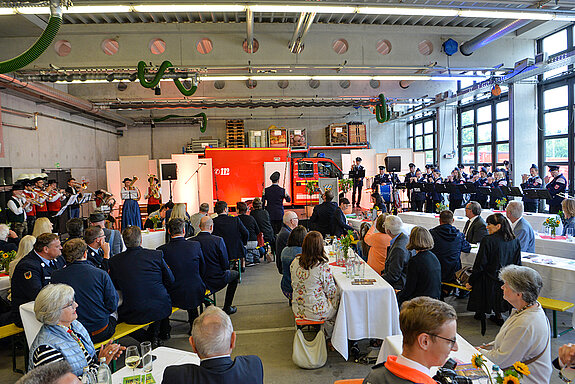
521 227
196 217
395 270
475 228
59 372
290 221
213 339
5 235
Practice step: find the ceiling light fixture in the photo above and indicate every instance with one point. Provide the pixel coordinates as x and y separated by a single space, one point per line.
405 11
301 8
185 8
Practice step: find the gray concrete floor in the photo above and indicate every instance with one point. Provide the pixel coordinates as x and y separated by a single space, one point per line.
264 324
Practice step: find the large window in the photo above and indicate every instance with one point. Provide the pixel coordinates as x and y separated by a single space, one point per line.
556 102
422 133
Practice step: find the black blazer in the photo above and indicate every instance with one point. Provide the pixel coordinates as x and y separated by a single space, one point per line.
423 278
96 258
476 232
339 225
186 260
396 262
217 266
144 279
322 217
221 370
251 225
234 233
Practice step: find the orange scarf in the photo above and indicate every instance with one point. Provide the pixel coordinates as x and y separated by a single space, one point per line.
407 373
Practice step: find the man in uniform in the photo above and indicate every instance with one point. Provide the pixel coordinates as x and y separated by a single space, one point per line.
556 186
113 236
16 213
464 175
273 201
358 175
34 271
482 181
98 250
381 178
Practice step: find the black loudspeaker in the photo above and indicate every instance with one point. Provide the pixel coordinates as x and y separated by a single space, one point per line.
170 171
393 163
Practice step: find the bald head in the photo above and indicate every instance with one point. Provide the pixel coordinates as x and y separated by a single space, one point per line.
206 224
290 219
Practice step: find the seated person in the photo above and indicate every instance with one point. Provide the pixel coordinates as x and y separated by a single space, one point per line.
378 241
423 270
98 249
62 336
323 214
339 226
521 227
232 230
95 293
568 206
525 335
475 228
290 221
251 225
74 229
196 217
397 254
54 373
113 236
429 329
448 243
42 225
213 339
157 217
378 202
293 248
315 295
5 236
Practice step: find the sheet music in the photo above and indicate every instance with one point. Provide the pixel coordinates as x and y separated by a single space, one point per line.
70 201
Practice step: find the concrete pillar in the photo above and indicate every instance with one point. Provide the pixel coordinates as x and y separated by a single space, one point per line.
446 144
523 134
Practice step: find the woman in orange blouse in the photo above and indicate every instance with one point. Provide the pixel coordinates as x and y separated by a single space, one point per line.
378 241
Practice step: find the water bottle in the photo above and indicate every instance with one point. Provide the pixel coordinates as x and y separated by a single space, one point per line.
104 372
87 377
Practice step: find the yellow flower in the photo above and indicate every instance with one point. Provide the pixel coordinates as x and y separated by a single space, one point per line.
351 236
511 380
477 360
521 368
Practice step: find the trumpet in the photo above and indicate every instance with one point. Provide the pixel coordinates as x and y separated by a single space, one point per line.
82 185
565 195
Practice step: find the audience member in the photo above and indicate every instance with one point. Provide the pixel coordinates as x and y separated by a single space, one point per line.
113 236
42 225
196 217
25 246
186 261
568 206
34 271
315 295
566 361
362 247
179 212
423 270
62 336
498 249
156 218
95 293
144 279
397 254
378 241
98 249
263 219
525 336
290 221
520 227
289 253
53 373
339 226
217 265
213 339
429 329
5 233
448 243
233 232
475 228
251 225
273 201
323 214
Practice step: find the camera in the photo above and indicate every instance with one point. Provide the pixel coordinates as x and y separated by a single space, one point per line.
447 375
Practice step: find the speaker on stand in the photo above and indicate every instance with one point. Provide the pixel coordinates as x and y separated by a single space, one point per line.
393 164
170 172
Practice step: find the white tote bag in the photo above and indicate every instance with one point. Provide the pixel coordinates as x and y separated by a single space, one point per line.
309 354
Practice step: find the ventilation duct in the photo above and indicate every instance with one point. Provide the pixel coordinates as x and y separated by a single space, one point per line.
304 23
406 83
491 35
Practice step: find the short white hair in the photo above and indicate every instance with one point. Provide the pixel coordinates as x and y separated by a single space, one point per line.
515 209
50 302
212 332
4 230
393 224
288 215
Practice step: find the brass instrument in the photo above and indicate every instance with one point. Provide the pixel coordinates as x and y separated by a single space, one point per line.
134 179
82 185
155 188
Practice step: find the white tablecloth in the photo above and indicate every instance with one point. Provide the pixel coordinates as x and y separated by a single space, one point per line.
535 219
392 345
153 240
166 357
365 311
4 286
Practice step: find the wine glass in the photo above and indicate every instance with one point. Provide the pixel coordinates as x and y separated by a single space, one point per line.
132 358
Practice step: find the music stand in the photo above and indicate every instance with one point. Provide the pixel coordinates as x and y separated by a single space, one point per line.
441 188
415 187
467 188
452 188
485 190
511 191
428 187
536 193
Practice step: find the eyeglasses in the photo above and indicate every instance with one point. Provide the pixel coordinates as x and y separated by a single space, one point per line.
452 341
69 304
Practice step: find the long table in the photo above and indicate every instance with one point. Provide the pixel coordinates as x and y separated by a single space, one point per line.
551 247
4 286
153 239
365 311
535 219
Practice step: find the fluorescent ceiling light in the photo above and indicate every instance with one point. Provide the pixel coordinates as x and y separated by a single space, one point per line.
301 8
223 78
506 14
281 77
342 77
33 10
184 8
456 78
404 11
98 9
7 11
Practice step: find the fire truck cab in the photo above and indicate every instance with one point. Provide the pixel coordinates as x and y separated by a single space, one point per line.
311 169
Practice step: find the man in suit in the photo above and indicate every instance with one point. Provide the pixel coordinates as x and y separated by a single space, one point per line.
323 214
34 271
98 249
290 221
94 291
521 227
113 236
144 279
448 245
273 201
186 261
213 339
339 222
395 270
233 232
475 228
217 272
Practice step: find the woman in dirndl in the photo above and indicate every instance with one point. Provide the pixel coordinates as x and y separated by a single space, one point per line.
131 209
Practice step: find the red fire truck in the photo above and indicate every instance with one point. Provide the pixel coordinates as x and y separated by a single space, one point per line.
239 173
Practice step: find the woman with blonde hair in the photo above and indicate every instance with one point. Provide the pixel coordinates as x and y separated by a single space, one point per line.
24 247
42 225
378 242
179 212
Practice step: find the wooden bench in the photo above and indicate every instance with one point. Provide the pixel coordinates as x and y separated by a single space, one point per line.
301 323
11 330
554 306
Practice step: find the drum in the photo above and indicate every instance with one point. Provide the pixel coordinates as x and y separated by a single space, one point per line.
385 192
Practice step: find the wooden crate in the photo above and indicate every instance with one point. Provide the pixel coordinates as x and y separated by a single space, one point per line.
277 137
336 134
297 138
235 136
357 133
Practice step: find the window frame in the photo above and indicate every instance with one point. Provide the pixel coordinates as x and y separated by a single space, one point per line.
412 137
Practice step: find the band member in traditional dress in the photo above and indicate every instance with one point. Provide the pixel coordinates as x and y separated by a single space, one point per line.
154 195
131 214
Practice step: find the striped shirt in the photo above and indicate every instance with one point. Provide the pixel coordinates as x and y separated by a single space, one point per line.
46 354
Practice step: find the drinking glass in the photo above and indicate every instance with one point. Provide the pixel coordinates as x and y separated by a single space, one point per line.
570 232
132 357
146 347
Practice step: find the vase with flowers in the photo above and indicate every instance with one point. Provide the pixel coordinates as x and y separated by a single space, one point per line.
552 223
501 203
511 375
5 259
346 242
440 207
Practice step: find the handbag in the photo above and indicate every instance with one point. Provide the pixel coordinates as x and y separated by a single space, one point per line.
261 240
463 275
309 354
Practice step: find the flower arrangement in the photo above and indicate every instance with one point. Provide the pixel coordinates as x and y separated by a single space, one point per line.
511 375
345 185
501 203
440 207
156 221
346 242
6 258
552 223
